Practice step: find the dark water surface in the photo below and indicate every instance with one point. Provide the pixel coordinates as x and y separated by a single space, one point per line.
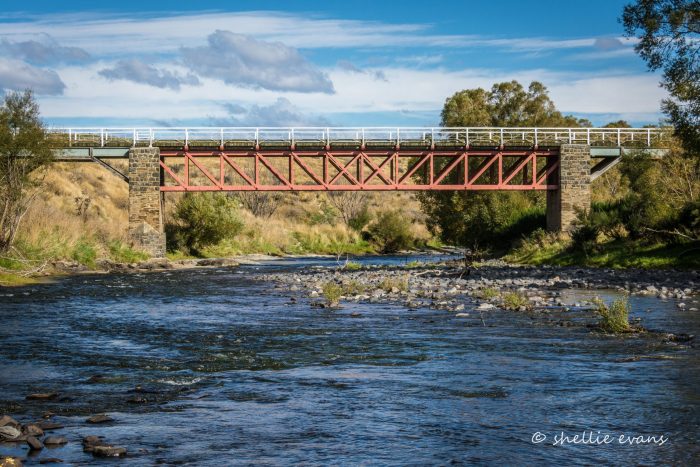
233 372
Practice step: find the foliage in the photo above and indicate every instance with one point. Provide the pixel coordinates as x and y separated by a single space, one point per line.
391 232
389 284
25 148
202 219
352 266
515 301
332 292
669 40
613 318
489 220
326 214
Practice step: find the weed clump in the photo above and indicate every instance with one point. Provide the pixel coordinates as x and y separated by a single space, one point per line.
515 301
394 284
615 317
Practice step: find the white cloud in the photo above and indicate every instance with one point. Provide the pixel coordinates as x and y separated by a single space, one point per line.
45 50
18 75
139 72
244 61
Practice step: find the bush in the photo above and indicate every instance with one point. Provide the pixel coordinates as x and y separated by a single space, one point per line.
488 293
360 220
352 266
388 284
391 232
515 300
332 292
202 219
613 318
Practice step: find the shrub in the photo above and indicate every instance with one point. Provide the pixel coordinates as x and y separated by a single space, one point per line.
613 318
388 284
352 266
391 232
360 220
203 219
353 288
515 300
332 292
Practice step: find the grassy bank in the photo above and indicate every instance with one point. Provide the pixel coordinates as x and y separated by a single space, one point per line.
552 250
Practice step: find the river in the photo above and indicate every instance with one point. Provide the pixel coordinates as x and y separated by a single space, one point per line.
232 371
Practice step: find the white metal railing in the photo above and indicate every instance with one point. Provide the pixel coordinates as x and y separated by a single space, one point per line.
367 136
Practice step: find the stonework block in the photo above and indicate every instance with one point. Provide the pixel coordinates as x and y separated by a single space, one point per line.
146 231
574 193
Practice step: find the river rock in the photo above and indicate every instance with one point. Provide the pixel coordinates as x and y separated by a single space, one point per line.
32 429
485 306
6 420
42 396
108 451
8 432
48 426
101 418
34 444
462 315
55 441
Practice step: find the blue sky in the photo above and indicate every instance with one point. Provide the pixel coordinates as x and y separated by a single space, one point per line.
315 63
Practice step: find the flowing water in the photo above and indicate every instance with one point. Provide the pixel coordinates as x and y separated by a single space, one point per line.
234 372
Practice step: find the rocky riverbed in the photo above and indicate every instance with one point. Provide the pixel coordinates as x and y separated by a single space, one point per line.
491 286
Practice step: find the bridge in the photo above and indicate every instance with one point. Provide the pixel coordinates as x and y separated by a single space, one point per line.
560 161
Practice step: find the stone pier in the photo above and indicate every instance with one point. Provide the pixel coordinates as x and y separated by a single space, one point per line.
574 193
146 202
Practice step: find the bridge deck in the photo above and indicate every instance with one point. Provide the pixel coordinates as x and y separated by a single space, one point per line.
229 138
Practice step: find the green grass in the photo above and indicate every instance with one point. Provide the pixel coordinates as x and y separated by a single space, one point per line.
124 254
352 266
9 279
85 253
414 264
353 288
515 300
612 254
613 318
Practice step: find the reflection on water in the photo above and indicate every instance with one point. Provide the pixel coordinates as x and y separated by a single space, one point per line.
233 372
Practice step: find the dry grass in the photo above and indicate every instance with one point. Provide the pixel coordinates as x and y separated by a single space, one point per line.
304 222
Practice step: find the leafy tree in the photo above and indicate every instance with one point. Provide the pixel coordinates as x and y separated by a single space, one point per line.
25 148
669 40
391 232
482 220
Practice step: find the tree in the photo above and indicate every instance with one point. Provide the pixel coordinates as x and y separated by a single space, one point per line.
484 219
260 203
352 206
25 148
669 40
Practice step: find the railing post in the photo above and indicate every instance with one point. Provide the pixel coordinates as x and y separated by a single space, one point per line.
133 142
187 137
363 137
102 137
291 136
466 137
70 137
536 139
150 137
619 142
221 130
588 136
571 141
257 138
648 137
501 136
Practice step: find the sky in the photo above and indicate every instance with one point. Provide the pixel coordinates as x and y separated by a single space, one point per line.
311 63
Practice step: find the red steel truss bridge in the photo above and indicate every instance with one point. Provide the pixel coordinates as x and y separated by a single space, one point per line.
348 159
